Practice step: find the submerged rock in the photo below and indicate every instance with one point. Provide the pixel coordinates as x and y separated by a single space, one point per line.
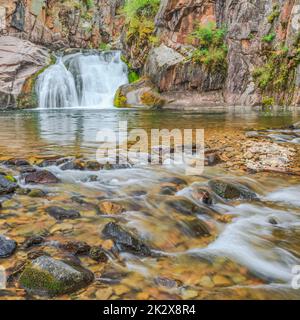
41 177
61 214
76 247
231 190
33 241
195 228
110 208
7 246
125 240
7 184
98 254
46 276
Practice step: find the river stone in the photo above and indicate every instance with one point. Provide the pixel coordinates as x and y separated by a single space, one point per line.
296 125
41 177
230 190
125 240
7 185
46 276
61 214
7 246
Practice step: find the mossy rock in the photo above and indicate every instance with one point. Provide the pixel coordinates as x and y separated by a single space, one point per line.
46 276
141 93
231 190
28 97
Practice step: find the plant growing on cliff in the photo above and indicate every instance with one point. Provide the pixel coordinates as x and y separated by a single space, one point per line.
133 8
212 50
269 37
274 14
140 38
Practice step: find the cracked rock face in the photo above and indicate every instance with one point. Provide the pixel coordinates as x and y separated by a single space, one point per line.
19 59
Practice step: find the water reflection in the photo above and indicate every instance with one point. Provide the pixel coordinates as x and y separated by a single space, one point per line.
76 129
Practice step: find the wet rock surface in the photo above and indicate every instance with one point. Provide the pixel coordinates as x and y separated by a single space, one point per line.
41 177
7 246
231 190
47 276
61 214
125 240
7 184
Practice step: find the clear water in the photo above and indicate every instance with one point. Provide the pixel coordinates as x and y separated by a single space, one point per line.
255 256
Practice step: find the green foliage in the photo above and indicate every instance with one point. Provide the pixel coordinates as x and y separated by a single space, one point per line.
133 76
268 101
275 14
104 46
89 4
212 50
269 37
274 74
146 8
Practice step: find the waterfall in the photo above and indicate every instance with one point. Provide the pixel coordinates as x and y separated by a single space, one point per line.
82 80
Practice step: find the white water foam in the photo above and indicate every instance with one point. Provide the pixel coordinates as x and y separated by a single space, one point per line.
82 80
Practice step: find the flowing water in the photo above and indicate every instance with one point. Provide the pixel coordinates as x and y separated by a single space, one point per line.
248 257
82 80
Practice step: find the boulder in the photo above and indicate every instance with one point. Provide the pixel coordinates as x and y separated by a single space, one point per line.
125 240
7 246
41 177
7 184
169 70
296 126
60 214
19 60
46 276
231 190
141 93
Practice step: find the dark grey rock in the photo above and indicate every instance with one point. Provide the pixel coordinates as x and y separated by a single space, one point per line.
61 214
7 246
125 240
6 185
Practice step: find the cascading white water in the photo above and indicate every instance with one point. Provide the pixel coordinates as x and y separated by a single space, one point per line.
82 80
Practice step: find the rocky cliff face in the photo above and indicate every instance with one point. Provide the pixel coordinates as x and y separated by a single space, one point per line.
255 30
262 40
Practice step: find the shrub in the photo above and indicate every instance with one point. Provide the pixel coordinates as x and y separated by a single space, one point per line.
212 50
267 101
133 8
269 37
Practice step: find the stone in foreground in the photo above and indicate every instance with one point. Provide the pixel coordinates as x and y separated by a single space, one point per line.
124 240
41 177
59 213
46 276
230 190
7 185
7 246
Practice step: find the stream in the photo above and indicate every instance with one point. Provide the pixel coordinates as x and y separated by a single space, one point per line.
248 251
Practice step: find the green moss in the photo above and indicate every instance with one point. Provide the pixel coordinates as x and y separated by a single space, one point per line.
268 101
276 75
275 14
28 97
38 280
10 178
269 37
133 76
120 101
151 99
211 50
